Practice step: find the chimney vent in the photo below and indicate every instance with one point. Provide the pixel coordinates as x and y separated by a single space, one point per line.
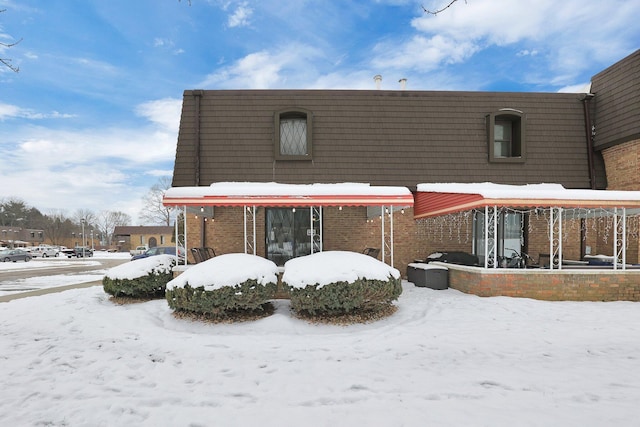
378 80
403 83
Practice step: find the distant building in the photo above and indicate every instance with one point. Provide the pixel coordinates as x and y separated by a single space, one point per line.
128 237
18 237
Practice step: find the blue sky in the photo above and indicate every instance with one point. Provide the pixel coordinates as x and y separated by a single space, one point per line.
90 121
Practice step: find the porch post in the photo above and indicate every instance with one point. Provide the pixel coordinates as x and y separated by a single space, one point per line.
620 238
382 232
555 237
186 246
391 231
244 213
490 236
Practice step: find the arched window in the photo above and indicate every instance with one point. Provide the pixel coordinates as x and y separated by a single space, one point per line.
293 131
506 136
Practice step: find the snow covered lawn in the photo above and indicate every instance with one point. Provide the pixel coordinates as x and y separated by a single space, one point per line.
443 359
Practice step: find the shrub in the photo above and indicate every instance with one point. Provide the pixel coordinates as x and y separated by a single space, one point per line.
343 297
224 286
221 302
335 283
143 278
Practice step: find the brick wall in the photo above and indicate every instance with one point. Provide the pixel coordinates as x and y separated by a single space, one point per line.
551 285
622 163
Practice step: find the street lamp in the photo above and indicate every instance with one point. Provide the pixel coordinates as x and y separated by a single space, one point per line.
92 240
82 221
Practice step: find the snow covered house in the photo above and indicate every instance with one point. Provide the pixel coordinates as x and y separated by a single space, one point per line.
400 139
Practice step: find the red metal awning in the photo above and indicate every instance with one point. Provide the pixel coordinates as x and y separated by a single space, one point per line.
441 199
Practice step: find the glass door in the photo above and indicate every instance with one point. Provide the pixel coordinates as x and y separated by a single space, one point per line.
288 233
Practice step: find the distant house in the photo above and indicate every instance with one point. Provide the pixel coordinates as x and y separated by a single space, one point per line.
403 138
128 237
18 237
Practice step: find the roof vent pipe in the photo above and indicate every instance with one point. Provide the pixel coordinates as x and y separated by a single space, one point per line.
403 83
378 80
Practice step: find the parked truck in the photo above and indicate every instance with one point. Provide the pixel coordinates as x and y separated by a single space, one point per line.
78 252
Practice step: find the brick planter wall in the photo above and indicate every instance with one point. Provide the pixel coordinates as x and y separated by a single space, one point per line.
550 285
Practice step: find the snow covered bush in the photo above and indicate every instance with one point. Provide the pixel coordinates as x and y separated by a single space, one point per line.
224 285
337 282
142 278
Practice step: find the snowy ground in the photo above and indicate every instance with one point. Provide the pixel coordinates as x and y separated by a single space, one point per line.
443 359
53 280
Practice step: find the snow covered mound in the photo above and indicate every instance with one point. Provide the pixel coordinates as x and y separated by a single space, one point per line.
142 267
227 270
336 283
327 267
225 286
142 278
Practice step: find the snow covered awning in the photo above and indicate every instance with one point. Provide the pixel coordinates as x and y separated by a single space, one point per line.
445 198
275 194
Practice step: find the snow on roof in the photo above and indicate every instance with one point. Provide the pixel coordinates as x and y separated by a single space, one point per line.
489 190
276 194
278 189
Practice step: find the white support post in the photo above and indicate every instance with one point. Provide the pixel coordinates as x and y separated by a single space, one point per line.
254 229
555 238
382 232
391 231
316 239
249 245
490 237
244 211
620 238
186 247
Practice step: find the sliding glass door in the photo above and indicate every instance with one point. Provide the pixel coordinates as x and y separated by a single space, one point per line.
288 233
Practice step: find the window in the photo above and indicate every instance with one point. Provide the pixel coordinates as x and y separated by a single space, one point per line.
293 135
506 137
289 233
510 235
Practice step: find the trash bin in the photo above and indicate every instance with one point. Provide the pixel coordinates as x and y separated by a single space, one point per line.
428 275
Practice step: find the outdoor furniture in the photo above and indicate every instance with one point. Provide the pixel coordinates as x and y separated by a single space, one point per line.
202 254
428 275
371 252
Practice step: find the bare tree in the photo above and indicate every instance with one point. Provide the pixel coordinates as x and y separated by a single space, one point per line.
442 9
107 221
57 227
5 61
154 212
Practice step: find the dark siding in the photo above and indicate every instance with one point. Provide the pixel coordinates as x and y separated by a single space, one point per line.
617 102
383 138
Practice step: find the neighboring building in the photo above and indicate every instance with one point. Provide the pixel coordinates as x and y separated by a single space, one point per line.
128 237
405 138
18 237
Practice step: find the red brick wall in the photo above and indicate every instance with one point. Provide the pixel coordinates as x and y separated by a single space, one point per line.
568 285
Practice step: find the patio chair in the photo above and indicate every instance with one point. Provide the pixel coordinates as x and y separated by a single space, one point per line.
197 255
373 252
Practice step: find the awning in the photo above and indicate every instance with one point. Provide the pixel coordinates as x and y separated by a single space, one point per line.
444 198
293 195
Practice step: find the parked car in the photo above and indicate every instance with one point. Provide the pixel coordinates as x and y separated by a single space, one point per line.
161 250
138 250
14 255
78 252
44 251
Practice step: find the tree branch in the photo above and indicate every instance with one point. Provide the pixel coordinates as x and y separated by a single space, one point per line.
435 12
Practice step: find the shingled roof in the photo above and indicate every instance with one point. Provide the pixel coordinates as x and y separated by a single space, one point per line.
395 138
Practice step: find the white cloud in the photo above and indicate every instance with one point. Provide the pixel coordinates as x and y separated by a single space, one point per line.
164 112
95 168
241 16
12 111
291 66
